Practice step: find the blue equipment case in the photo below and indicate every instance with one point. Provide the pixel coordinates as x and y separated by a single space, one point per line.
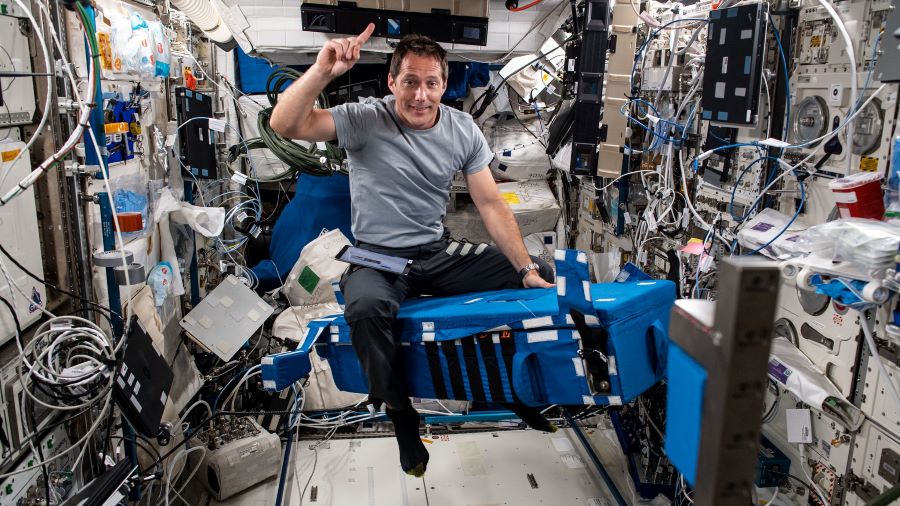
578 343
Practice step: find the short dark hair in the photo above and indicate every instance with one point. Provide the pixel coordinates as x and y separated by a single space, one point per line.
419 45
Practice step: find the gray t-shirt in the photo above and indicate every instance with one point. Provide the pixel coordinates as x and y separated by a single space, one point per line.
400 177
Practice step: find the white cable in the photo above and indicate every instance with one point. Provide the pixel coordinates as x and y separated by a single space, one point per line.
690 205
12 283
53 334
70 143
86 109
126 306
673 45
803 464
683 491
846 123
48 66
624 175
170 469
187 411
876 357
238 105
851 55
233 396
78 443
774 496
76 134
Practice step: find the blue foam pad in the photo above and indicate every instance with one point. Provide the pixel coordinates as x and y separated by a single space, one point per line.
684 412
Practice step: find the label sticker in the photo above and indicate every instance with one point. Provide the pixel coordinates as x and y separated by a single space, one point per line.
572 461
510 198
562 444
845 197
11 155
651 220
250 450
868 164
216 125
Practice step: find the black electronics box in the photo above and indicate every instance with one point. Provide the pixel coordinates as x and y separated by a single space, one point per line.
196 142
346 18
734 64
143 382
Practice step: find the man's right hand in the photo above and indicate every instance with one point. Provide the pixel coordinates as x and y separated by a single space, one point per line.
340 55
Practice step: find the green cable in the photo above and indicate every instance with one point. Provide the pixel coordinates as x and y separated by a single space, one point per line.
308 159
887 497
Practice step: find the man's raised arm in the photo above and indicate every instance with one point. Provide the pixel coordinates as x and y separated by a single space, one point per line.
294 116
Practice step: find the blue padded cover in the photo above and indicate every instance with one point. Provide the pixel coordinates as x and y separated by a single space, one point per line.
548 370
636 316
281 370
464 315
319 202
462 76
684 412
520 345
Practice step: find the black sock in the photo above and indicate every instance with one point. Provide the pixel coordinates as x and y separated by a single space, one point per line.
413 455
531 416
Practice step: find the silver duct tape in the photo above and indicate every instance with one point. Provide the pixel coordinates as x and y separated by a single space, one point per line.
131 276
112 258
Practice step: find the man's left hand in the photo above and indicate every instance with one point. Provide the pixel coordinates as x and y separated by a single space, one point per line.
534 280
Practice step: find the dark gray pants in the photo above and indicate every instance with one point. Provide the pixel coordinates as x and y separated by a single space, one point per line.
441 268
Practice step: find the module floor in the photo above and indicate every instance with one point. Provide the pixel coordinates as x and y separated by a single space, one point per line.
511 467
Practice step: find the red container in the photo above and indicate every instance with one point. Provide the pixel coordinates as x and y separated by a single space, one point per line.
130 222
859 195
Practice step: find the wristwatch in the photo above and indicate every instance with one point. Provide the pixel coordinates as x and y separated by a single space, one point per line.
528 268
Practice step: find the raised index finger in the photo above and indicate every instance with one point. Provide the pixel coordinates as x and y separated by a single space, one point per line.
364 36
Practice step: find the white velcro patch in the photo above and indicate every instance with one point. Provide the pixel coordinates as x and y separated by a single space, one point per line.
559 255
579 366
543 321
587 400
542 336
615 400
561 286
586 287
611 360
581 258
269 384
428 336
267 360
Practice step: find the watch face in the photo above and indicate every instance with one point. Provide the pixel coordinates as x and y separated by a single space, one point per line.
528 268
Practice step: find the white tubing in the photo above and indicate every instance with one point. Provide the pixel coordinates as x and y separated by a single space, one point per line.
874 292
204 14
851 55
803 280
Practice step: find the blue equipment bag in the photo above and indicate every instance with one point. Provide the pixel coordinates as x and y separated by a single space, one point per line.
577 343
